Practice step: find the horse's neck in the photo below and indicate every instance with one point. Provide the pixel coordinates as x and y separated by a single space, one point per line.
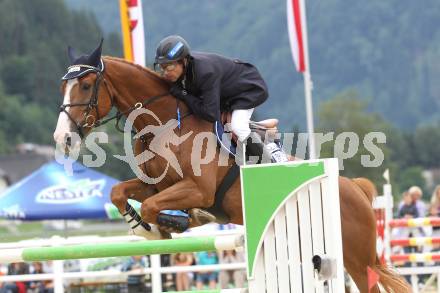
133 85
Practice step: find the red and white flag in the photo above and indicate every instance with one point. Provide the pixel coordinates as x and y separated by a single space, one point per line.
132 25
137 31
296 23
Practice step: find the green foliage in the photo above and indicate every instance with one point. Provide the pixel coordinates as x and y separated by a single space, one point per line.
426 145
406 154
408 177
347 113
385 50
32 60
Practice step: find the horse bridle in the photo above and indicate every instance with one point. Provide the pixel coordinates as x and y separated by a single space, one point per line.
93 104
89 120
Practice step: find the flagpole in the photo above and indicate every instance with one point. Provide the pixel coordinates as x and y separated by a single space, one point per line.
308 87
309 112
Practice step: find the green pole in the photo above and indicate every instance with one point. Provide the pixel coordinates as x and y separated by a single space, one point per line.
193 244
198 291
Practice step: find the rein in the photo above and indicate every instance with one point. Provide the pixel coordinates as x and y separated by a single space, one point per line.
92 104
91 122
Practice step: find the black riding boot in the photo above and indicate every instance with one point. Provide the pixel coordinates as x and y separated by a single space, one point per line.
270 153
255 147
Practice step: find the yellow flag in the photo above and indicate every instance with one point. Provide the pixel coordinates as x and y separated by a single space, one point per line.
126 34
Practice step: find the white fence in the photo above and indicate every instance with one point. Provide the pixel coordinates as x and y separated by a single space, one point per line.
59 277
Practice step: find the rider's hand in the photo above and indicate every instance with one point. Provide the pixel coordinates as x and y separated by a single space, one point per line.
177 91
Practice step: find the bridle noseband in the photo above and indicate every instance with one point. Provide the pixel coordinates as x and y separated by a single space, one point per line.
89 120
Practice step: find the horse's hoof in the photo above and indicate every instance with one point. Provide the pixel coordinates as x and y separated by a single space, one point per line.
166 233
200 217
153 234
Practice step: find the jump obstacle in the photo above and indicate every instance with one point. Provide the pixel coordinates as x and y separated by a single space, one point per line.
115 249
290 246
417 222
385 223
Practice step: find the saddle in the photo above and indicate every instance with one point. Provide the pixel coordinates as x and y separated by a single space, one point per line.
227 140
267 129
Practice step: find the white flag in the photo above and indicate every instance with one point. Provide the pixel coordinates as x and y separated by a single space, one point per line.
296 27
137 31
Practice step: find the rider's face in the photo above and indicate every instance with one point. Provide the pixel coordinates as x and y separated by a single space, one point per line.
172 71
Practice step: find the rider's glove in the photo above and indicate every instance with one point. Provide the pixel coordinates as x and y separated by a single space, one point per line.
177 91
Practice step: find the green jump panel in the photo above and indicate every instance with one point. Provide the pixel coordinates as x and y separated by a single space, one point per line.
265 188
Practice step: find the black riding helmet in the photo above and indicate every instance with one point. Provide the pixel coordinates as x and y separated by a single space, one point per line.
172 48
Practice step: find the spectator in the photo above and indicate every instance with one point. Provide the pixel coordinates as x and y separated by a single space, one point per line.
183 278
416 194
1 284
136 280
408 208
435 212
16 287
168 279
39 286
435 202
237 276
206 258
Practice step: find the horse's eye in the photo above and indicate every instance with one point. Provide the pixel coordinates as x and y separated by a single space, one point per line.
86 86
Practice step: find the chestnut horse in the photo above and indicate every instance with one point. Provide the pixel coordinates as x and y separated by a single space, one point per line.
125 85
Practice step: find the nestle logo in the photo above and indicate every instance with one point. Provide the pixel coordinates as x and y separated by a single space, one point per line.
75 192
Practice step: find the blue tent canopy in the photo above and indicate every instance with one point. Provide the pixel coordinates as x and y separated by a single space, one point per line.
50 193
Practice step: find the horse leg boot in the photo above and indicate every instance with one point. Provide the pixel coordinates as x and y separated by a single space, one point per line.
183 195
180 223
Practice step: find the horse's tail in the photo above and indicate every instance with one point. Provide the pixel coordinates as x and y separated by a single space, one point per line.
367 187
390 280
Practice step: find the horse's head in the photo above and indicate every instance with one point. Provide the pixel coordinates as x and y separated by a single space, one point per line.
87 98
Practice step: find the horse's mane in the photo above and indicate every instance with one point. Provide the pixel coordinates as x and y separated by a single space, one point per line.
145 70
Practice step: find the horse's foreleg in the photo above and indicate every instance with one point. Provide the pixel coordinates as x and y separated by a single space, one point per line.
132 189
135 189
183 195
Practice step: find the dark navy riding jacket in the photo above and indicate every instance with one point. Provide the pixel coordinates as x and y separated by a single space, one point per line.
216 84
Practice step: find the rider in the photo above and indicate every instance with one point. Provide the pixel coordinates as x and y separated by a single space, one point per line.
210 84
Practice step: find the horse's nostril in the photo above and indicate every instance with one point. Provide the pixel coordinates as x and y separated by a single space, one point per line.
69 140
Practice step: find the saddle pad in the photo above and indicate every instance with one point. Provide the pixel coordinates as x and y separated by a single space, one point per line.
224 138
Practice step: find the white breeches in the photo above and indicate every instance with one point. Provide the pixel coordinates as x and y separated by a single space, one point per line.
240 123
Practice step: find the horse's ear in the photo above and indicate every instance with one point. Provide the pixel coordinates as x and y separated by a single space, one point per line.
71 54
95 57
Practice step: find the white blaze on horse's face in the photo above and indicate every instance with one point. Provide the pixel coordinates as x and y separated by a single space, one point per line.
65 126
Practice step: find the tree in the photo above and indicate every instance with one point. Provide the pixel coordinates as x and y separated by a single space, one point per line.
426 145
347 117
32 61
